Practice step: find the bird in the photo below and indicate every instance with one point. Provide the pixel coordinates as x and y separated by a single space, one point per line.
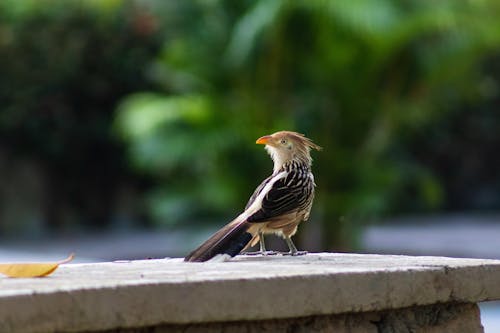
277 206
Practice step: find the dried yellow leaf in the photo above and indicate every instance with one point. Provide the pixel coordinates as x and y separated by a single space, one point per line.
32 269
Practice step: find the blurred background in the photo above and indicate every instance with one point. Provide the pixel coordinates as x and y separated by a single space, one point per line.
139 118
127 128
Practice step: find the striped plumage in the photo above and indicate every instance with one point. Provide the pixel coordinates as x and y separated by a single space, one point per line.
277 206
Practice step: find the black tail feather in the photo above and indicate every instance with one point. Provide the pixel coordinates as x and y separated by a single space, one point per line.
237 244
230 240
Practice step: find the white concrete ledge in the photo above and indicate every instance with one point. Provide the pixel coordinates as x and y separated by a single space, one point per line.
98 297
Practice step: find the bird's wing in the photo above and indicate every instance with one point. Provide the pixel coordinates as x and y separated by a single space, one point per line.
286 195
257 191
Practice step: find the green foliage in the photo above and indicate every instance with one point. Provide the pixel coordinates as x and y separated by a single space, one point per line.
64 65
389 88
177 140
361 78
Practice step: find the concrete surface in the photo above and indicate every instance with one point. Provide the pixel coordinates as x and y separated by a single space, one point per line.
457 235
106 296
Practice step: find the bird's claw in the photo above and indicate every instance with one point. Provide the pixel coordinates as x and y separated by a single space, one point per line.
296 253
263 253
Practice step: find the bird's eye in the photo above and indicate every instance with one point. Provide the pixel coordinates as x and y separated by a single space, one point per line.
283 141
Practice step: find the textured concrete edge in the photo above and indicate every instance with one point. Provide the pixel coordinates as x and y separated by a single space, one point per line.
245 299
442 318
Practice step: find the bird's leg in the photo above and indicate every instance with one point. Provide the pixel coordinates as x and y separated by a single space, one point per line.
293 249
262 245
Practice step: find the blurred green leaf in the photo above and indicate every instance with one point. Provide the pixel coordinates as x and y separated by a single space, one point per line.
144 113
248 28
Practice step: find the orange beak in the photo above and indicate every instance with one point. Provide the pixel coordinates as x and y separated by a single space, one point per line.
263 140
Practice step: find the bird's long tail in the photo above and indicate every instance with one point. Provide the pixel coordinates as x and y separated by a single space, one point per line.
229 240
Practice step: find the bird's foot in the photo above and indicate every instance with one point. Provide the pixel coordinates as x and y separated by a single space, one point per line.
263 253
295 253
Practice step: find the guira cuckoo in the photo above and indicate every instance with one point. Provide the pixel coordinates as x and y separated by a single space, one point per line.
277 206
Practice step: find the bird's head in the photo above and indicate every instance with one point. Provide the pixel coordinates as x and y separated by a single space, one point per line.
285 146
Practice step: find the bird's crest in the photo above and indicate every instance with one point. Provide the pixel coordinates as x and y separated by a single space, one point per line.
301 138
